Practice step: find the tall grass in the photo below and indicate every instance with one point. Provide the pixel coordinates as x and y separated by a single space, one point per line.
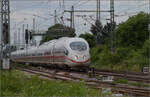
16 83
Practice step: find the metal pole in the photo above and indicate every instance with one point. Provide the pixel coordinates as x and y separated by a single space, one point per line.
19 38
112 26
55 16
23 35
14 38
73 26
71 18
28 38
63 4
34 25
27 26
99 11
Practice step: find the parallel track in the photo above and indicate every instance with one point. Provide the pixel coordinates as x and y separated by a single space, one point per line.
132 76
123 72
144 92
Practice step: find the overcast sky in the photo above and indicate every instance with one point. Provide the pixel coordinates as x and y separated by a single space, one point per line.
23 12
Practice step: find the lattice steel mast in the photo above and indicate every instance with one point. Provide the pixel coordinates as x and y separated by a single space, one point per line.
5 21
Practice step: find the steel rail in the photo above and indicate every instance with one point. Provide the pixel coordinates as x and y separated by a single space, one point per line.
136 76
97 83
123 72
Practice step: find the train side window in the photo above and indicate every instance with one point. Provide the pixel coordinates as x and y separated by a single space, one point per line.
39 54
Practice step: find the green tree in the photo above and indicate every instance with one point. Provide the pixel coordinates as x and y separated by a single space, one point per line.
89 38
97 28
100 32
45 39
57 31
146 48
132 46
134 31
107 29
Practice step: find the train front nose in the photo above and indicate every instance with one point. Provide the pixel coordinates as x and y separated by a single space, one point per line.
80 58
79 53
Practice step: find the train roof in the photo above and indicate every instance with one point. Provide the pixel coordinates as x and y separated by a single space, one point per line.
46 45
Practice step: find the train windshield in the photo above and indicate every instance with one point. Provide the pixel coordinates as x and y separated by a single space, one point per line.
78 46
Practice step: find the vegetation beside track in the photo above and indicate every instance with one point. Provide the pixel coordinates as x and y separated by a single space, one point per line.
137 84
131 46
16 83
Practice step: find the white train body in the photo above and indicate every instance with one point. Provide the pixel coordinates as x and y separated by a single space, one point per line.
70 52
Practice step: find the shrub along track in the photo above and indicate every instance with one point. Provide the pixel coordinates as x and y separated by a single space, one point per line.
119 88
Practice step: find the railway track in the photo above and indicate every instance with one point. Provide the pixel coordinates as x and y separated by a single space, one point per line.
119 88
132 76
122 72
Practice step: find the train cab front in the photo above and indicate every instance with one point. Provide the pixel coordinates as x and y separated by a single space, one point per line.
78 54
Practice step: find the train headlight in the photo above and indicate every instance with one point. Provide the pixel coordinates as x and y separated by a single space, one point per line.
76 57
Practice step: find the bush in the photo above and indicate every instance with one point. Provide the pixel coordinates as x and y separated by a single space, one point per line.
15 83
134 31
135 60
146 48
94 54
104 58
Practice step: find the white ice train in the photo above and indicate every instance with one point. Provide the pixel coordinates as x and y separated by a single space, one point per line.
62 52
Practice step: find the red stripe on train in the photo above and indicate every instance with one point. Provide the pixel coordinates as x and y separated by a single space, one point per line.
67 59
60 57
77 61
